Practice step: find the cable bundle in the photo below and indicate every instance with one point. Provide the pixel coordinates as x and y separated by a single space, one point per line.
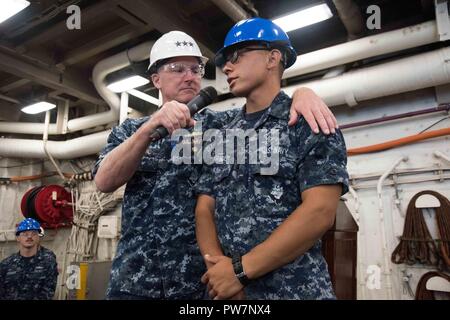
90 205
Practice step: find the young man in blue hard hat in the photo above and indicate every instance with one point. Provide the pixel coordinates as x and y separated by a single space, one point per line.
157 256
31 273
259 227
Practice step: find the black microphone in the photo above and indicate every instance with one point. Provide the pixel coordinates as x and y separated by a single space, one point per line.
204 98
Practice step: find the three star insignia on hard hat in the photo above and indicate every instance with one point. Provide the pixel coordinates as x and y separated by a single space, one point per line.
184 43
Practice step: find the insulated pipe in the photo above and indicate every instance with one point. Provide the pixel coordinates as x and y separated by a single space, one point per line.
421 71
408 74
101 70
27 128
386 255
44 144
351 17
383 43
232 9
69 149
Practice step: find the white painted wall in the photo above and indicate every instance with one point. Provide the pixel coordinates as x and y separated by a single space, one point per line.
420 156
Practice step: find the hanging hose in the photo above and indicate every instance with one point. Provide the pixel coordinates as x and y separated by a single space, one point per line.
416 244
398 142
51 205
422 293
84 176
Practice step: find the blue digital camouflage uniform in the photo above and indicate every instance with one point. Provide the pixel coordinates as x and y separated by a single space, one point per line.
250 205
157 255
29 278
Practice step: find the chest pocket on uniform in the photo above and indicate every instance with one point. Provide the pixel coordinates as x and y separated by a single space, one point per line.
282 182
286 167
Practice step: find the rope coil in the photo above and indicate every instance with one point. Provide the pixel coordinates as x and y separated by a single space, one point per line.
416 244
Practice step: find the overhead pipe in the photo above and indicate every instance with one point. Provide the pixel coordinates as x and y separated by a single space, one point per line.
388 42
64 150
351 17
44 144
101 70
421 71
408 74
383 43
232 9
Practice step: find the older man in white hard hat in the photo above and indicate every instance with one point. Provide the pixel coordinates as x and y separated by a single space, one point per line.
157 255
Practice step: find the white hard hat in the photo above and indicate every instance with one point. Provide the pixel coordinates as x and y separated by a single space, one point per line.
175 44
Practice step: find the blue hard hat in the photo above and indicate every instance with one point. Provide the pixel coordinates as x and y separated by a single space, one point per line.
261 30
28 224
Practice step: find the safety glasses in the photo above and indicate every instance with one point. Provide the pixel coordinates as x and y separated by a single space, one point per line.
233 56
182 69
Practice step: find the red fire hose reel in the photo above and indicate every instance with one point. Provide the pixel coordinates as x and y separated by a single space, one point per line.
50 205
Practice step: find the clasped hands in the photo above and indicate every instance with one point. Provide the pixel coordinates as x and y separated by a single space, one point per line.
221 280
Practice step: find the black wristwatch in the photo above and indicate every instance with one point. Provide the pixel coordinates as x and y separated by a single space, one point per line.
239 270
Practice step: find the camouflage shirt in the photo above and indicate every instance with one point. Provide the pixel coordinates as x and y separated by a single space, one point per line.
250 204
157 255
29 278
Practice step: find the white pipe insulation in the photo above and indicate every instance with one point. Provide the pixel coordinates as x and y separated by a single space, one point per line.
412 73
421 71
388 42
372 46
69 149
101 70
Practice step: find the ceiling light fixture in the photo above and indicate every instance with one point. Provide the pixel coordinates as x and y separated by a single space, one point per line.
8 8
304 17
127 84
38 107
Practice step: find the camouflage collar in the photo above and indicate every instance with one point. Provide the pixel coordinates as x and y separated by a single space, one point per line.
279 108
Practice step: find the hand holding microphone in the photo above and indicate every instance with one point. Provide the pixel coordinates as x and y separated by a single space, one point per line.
177 115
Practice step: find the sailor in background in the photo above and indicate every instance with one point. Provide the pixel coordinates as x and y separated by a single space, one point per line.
31 273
